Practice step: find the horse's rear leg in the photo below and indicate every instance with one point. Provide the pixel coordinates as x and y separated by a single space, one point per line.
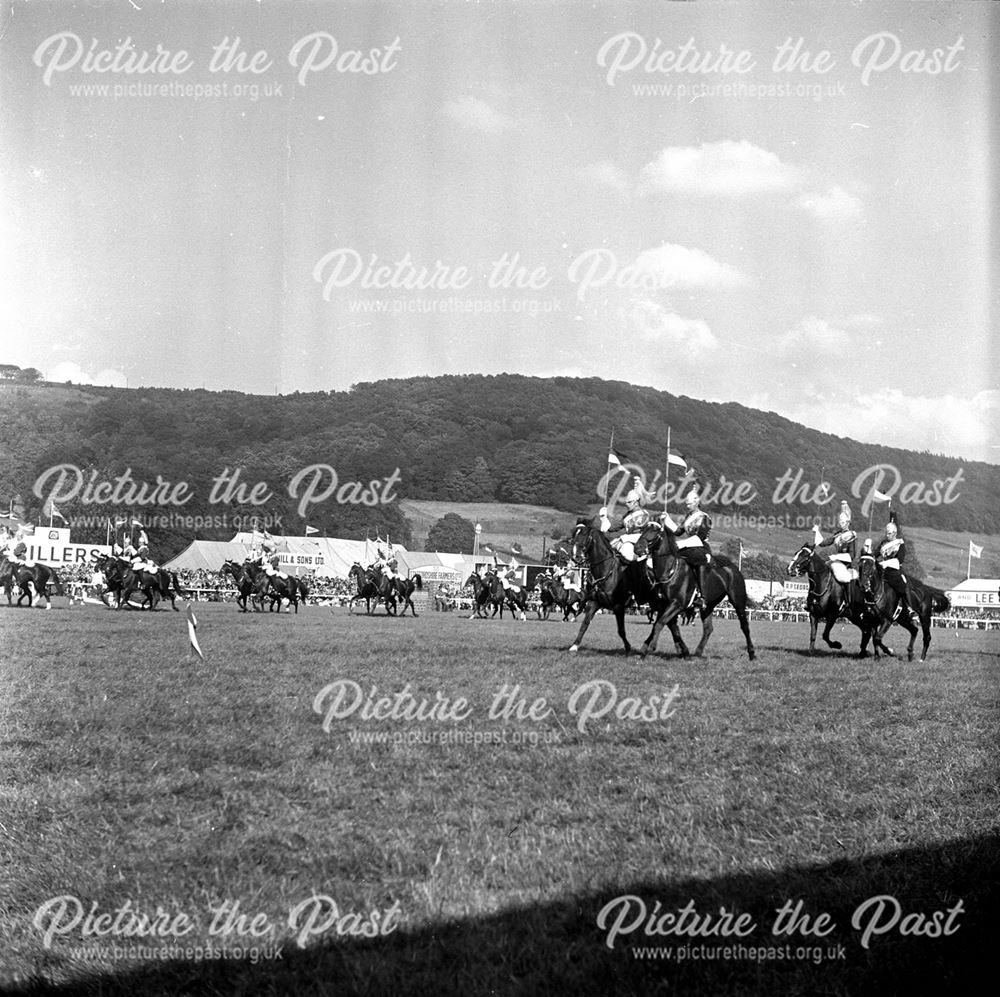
745 627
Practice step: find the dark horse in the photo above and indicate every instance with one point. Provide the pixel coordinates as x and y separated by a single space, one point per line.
924 600
554 595
405 587
372 586
613 583
244 579
516 600
484 596
38 575
678 586
824 601
277 589
124 581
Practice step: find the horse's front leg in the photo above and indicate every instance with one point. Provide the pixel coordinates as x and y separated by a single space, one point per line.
831 619
667 617
706 631
589 611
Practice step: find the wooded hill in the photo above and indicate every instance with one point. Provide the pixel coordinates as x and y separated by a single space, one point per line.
470 438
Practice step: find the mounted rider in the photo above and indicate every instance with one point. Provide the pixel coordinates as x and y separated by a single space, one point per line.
637 527
387 564
6 541
889 555
691 538
507 574
141 561
844 543
18 549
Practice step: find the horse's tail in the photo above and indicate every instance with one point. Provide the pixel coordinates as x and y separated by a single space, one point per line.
177 584
303 590
940 602
56 581
419 582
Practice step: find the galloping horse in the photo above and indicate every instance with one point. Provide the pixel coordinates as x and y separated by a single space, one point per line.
484 596
244 579
554 595
124 581
924 599
824 601
372 588
515 599
723 579
405 587
38 575
277 589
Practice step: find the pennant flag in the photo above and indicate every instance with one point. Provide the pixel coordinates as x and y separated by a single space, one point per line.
192 622
487 548
50 510
673 458
310 530
613 461
975 550
881 496
515 548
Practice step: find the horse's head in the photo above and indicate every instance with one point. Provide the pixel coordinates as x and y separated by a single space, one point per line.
867 570
799 564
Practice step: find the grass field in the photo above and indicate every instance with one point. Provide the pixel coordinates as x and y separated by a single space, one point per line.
147 782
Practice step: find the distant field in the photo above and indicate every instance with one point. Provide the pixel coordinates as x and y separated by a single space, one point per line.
135 774
943 554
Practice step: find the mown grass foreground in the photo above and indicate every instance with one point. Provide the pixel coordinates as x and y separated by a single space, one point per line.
209 796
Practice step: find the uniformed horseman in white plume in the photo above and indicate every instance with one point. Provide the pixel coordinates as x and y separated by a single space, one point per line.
844 543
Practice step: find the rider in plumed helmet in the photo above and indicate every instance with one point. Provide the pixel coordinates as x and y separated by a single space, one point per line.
844 543
637 526
692 538
890 554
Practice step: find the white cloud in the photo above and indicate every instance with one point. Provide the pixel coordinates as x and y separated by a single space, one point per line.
727 168
834 205
69 371
605 174
471 112
673 266
960 427
654 323
813 337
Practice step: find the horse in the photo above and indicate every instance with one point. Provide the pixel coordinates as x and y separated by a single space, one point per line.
924 600
679 588
515 599
553 594
39 575
244 579
613 582
278 589
123 580
824 603
405 587
484 596
371 588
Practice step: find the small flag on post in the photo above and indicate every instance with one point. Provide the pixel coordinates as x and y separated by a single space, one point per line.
673 458
310 530
192 622
613 461
881 496
975 550
50 510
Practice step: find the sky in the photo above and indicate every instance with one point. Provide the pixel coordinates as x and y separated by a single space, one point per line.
787 206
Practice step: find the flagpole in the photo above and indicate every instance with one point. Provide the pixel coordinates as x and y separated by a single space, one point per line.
607 476
968 570
666 477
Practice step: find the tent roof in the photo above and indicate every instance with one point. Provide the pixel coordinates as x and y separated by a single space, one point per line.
208 555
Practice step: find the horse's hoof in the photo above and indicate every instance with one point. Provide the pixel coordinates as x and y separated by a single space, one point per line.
573 648
751 654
